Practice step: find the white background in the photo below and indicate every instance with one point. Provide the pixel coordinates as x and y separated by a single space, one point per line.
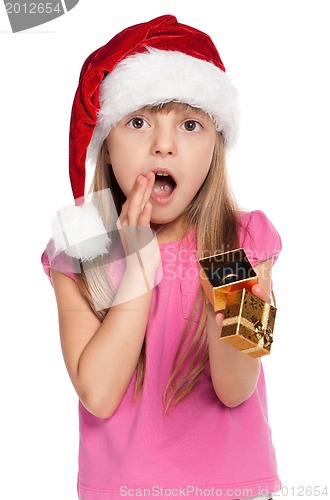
277 53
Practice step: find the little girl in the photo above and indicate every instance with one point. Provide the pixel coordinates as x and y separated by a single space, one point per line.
166 408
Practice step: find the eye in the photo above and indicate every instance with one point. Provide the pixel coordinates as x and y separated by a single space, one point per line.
137 122
192 126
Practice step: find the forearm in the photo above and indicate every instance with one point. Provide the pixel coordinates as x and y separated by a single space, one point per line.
108 362
234 374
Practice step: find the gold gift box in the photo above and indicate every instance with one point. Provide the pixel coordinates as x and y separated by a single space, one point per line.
248 323
224 273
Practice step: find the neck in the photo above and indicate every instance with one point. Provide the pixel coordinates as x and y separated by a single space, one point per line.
173 231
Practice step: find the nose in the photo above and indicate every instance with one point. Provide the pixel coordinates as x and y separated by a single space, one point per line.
164 143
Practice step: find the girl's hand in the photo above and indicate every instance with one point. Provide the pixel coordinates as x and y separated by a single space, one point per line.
257 290
135 215
235 374
134 227
136 211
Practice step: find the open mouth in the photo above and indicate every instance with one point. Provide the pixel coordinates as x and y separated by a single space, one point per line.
164 185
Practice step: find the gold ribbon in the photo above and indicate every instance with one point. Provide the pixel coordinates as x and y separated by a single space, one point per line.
263 333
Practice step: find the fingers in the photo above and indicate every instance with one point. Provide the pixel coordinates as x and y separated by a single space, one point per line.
219 318
144 219
150 184
135 216
134 210
135 201
260 292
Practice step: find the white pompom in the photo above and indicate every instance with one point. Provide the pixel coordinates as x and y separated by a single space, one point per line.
79 232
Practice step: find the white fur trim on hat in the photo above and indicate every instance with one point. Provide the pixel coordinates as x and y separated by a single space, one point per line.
159 76
79 232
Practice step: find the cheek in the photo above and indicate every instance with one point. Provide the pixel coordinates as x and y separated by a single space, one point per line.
202 151
126 172
202 164
124 181
122 168
209 151
201 179
207 160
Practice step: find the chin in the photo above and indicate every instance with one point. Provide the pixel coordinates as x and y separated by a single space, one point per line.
161 220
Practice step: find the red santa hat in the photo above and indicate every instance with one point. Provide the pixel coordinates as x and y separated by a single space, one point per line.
150 63
147 64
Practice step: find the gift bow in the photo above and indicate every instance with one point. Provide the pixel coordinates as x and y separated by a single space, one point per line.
264 336
263 332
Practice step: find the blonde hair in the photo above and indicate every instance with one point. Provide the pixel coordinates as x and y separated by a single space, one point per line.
213 213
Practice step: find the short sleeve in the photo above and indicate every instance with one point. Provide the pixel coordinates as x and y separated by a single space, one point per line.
59 261
259 237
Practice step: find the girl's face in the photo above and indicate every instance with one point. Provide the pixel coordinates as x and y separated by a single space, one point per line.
176 144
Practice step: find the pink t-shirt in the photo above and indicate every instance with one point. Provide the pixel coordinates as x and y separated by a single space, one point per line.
201 448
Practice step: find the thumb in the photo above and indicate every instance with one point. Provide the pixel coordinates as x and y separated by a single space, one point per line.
219 318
